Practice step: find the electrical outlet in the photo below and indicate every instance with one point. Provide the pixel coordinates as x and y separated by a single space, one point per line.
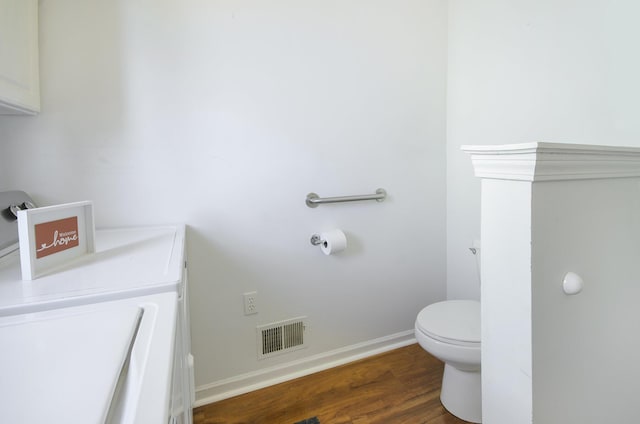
251 303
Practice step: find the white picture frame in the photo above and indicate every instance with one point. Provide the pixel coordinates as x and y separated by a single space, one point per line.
52 236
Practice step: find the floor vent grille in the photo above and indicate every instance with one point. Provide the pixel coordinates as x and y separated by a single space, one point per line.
281 337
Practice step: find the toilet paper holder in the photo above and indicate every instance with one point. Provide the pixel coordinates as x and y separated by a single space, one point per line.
316 240
330 242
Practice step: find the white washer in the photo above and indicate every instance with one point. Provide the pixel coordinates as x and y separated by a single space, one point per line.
129 265
108 362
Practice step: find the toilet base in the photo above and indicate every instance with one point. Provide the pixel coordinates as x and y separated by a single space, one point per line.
461 393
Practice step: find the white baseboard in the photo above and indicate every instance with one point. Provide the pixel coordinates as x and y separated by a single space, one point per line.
244 383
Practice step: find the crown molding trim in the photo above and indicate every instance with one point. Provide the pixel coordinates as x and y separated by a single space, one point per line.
553 161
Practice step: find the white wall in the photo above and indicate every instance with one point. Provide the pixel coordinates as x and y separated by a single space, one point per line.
224 115
532 70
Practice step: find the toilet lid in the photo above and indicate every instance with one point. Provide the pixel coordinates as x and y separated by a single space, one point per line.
454 320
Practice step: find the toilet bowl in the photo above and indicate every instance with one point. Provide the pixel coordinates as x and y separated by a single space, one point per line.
450 331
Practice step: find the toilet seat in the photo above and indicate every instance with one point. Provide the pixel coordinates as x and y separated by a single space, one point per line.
455 322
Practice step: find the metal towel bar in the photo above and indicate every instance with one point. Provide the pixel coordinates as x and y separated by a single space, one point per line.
313 200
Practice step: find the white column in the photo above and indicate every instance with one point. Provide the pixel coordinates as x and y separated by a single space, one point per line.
548 209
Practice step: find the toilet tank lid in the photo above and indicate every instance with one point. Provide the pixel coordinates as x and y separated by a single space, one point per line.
457 320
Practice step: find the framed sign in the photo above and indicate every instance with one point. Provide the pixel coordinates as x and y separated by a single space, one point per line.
54 235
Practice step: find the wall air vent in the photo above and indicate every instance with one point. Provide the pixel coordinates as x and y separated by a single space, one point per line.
281 337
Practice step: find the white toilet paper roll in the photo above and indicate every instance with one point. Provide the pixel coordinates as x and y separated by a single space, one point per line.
333 241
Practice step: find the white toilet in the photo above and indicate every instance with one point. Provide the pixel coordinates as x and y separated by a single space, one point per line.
450 331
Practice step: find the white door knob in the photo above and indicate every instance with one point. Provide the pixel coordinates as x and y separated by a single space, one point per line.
572 283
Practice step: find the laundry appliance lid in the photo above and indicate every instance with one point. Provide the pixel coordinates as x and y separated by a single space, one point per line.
455 320
128 262
64 365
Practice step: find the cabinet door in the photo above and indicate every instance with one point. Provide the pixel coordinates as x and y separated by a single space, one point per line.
19 76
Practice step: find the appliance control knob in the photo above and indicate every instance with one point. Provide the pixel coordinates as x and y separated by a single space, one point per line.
13 210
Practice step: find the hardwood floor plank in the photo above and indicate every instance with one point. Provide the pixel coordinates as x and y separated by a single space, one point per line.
396 387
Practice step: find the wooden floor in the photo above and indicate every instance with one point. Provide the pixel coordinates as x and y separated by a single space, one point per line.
401 386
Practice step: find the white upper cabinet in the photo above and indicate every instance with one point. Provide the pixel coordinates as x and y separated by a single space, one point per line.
19 76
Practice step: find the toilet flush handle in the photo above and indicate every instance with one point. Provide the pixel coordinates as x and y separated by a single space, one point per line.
572 283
